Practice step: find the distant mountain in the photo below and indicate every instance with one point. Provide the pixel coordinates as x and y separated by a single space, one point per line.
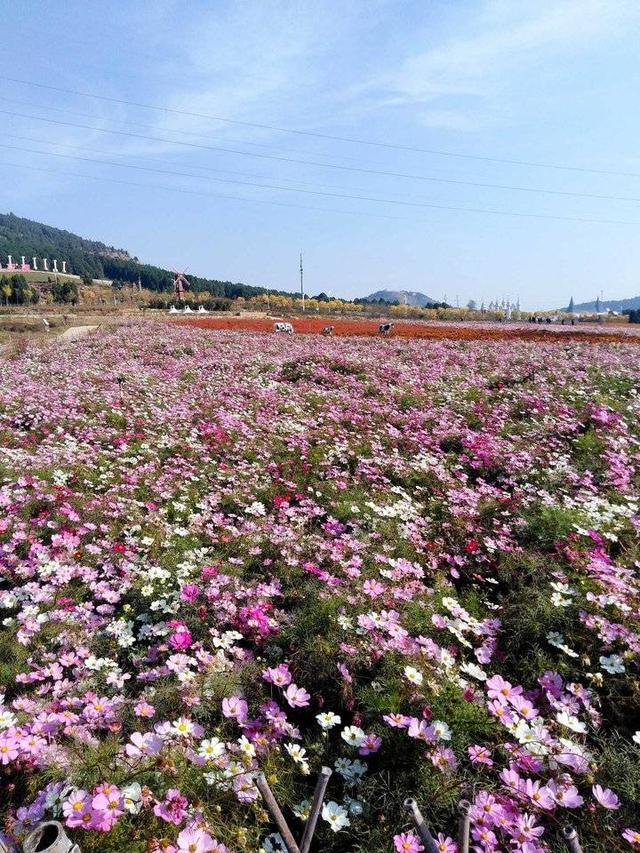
19 236
633 303
402 297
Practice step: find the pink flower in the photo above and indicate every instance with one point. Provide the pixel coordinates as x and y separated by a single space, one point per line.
499 710
524 707
421 730
278 675
503 691
566 796
445 844
605 797
236 708
370 745
297 697
107 806
444 759
143 744
540 796
8 749
372 588
480 755
144 709
110 801
397 721
632 836
407 842
77 809
195 841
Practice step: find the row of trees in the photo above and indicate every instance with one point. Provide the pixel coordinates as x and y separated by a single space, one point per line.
16 290
634 315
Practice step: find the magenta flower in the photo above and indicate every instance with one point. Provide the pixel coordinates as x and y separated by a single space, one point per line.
190 593
173 808
181 639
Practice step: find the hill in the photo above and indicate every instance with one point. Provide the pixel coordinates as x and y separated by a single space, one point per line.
631 304
401 297
94 259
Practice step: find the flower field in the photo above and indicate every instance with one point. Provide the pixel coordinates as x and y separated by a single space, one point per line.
412 561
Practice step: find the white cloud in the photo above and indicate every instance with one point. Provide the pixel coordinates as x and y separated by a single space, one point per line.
502 40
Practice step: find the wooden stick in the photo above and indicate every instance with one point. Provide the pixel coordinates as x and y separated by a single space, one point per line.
316 805
271 803
418 821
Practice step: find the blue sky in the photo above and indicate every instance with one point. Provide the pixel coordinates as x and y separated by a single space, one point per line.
547 82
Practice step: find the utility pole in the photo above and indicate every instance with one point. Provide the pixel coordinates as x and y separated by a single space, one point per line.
301 282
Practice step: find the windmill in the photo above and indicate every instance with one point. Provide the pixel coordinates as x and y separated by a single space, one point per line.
180 285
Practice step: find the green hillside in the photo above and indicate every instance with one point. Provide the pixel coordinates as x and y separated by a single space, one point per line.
19 236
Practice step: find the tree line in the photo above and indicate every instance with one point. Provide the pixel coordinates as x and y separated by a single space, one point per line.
16 290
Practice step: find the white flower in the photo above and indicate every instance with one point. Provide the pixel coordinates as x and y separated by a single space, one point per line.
302 809
474 671
335 816
132 796
413 675
7 719
441 730
571 722
246 747
327 720
182 727
296 752
636 738
256 508
612 664
211 749
350 770
353 735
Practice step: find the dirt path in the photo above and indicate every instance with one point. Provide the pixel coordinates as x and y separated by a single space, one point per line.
76 332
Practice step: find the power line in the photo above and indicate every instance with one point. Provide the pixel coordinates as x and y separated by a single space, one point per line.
402 202
186 191
318 135
181 131
168 162
359 169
